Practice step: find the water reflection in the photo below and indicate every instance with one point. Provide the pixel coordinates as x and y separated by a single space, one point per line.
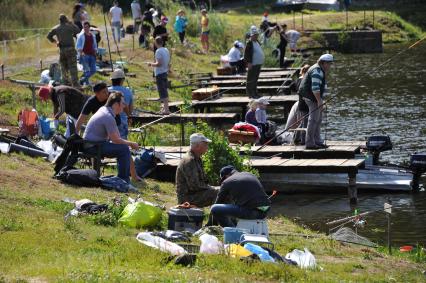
391 101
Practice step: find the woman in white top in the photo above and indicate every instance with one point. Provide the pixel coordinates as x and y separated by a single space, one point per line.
235 57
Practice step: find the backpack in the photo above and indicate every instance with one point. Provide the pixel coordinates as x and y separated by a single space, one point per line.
28 122
145 163
79 177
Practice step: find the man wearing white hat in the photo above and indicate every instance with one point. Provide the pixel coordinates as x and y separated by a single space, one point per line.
191 180
312 91
234 56
255 58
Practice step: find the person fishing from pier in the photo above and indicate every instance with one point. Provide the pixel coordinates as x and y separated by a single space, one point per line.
63 36
267 128
235 57
254 56
299 109
312 89
87 48
191 180
161 70
66 100
245 192
103 129
251 113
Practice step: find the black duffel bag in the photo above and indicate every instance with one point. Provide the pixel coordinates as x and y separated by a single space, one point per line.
79 177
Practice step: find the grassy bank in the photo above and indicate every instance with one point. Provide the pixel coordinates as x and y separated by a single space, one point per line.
37 244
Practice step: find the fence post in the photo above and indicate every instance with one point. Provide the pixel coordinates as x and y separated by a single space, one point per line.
2 72
373 18
38 45
294 20
364 20
302 21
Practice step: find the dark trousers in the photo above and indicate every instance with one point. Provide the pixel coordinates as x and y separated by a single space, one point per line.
241 66
181 36
252 77
223 214
282 55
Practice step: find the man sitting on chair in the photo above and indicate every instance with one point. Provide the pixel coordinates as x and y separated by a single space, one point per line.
102 129
245 191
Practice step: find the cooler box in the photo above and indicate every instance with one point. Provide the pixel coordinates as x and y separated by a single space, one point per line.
205 92
182 219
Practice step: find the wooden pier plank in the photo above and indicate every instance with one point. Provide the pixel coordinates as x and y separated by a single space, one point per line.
187 117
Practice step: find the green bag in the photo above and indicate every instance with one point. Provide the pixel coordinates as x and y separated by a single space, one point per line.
140 214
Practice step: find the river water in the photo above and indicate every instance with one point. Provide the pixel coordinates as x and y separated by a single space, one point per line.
390 101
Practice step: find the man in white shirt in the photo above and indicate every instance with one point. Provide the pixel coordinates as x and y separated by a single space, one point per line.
235 57
116 20
161 69
136 14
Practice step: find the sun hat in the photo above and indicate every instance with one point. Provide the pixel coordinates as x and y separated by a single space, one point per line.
326 58
197 138
117 74
44 92
263 101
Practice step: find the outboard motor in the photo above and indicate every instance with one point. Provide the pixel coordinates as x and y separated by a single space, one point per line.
418 167
376 145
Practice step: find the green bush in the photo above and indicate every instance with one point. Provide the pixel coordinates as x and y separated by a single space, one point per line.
220 154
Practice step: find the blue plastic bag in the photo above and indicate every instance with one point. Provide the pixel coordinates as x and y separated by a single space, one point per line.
263 254
47 127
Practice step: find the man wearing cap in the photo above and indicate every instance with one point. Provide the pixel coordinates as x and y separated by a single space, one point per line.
102 129
246 193
235 57
93 104
63 36
67 100
117 80
87 47
254 57
205 30
312 91
161 31
191 181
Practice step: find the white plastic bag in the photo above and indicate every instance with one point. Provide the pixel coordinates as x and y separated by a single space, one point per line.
304 259
210 244
163 245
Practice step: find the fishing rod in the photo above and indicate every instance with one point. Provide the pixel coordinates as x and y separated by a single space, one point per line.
326 101
109 47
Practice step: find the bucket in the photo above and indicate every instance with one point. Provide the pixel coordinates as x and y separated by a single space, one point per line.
4 147
232 235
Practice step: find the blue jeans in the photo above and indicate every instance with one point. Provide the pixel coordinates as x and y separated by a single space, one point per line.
119 151
116 30
89 67
222 214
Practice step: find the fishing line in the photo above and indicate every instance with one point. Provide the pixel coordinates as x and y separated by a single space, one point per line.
344 88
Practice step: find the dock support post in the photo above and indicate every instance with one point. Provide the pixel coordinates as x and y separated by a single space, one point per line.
182 132
352 189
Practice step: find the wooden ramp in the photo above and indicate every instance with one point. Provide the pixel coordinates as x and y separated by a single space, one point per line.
262 90
215 118
261 82
336 150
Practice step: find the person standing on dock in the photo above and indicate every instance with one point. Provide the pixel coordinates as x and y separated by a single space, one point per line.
64 33
191 180
312 89
254 56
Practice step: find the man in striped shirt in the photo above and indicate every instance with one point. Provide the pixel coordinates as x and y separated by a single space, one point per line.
312 91
67 100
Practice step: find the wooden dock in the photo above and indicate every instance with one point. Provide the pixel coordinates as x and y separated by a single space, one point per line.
262 90
285 101
215 118
279 165
276 82
336 150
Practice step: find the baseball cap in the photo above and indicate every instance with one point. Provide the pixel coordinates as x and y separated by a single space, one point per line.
263 101
44 92
164 19
117 74
197 137
238 44
326 57
152 10
253 30
225 171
